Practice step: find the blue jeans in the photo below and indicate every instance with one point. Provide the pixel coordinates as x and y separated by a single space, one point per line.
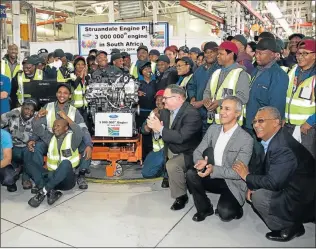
20 155
154 164
84 164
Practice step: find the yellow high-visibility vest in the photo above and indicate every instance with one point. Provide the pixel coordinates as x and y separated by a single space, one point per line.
21 80
55 156
300 105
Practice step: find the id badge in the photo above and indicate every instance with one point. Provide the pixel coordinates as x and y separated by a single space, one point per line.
227 92
306 93
66 153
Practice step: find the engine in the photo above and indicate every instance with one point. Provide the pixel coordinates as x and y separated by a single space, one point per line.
113 94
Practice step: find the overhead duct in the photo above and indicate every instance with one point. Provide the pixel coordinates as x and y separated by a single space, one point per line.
130 9
203 14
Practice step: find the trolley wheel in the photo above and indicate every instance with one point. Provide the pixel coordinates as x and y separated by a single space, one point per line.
118 170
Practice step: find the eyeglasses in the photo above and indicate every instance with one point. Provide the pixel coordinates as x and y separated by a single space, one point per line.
261 120
304 54
164 98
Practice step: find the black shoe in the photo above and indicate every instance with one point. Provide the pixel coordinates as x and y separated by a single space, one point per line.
81 181
180 202
37 199
286 234
165 183
237 217
199 216
35 189
27 184
52 196
12 188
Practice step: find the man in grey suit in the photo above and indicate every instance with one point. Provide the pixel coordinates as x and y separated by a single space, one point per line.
221 146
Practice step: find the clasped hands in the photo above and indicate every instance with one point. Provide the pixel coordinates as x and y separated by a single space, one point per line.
201 165
154 123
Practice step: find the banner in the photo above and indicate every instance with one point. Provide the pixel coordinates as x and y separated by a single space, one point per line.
3 13
124 36
113 125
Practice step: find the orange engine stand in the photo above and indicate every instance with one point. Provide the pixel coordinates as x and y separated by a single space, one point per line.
131 153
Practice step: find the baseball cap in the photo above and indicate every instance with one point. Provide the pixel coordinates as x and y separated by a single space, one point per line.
159 93
115 51
125 54
267 44
30 60
241 39
142 47
101 52
280 44
164 58
59 53
154 52
69 56
142 65
229 46
195 50
116 56
308 45
187 60
42 50
296 35
185 49
210 45
59 85
266 34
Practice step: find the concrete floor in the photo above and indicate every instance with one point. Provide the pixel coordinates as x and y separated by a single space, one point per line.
126 215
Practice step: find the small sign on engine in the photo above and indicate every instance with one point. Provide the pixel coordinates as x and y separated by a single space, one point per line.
113 124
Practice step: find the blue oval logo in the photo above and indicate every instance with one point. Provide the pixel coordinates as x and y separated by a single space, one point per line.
113 116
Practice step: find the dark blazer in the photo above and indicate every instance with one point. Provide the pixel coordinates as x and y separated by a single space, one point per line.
185 133
290 173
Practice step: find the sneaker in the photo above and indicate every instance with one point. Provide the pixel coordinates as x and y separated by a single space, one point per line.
37 199
35 189
52 196
81 181
12 188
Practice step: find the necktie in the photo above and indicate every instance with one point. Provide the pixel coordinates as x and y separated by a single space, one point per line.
170 154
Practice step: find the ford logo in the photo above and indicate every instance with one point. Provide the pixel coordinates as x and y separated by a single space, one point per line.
113 116
86 35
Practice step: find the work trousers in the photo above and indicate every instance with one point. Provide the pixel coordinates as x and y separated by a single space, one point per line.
7 175
261 202
228 207
176 170
308 140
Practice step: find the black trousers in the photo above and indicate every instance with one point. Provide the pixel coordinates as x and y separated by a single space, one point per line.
228 207
8 175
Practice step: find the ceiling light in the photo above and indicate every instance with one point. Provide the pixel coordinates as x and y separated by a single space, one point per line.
98 9
44 16
274 9
313 3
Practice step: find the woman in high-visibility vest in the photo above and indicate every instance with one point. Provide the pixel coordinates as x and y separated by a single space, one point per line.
79 81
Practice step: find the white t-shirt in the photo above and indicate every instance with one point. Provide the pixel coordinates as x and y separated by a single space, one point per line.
221 144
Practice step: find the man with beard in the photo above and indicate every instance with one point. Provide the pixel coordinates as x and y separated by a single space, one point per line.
12 59
28 74
19 123
46 118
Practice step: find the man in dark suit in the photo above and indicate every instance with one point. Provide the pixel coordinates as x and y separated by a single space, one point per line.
181 129
284 195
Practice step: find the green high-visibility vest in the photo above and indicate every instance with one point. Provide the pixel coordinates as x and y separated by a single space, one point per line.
5 69
55 156
51 115
299 106
22 80
284 68
230 82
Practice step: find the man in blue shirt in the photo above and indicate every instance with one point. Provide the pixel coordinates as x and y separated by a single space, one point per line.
7 173
5 90
201 76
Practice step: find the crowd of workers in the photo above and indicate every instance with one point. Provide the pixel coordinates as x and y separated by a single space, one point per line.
236 119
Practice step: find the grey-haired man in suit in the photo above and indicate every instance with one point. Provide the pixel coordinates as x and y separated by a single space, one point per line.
221 146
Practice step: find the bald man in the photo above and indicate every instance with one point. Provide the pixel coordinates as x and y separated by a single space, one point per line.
12 59
62 158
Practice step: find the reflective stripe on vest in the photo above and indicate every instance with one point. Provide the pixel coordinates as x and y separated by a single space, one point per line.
55 157
157 144
229 82
60 77
78 96
133 70
51 115
285 69
185 81
297 109
21 80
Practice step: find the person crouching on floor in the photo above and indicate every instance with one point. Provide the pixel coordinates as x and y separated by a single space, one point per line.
62 158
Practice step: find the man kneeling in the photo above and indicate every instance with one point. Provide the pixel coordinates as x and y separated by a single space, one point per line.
221 146
62 157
